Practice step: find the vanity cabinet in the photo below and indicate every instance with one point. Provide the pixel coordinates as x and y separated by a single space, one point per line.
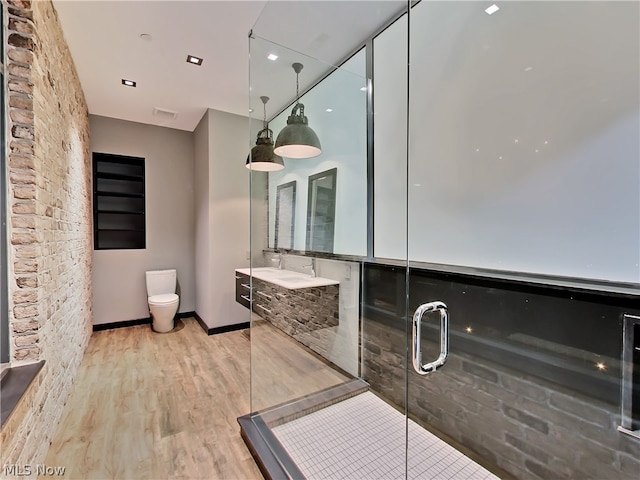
310 315
243 289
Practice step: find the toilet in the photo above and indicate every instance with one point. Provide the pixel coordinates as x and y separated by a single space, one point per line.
163 301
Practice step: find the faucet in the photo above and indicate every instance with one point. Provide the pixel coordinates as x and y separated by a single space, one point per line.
313 267
280 260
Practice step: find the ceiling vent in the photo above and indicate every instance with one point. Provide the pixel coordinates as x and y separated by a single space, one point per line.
164 113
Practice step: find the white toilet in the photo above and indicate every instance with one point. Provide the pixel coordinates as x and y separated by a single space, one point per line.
163 301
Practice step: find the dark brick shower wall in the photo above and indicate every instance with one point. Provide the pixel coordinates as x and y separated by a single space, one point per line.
302 313
527 426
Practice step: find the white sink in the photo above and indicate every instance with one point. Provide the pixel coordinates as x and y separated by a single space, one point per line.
287 278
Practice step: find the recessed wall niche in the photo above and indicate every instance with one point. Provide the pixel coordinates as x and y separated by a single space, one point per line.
118 202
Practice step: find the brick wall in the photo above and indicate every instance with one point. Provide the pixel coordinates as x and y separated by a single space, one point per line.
310 315
49 222
529 427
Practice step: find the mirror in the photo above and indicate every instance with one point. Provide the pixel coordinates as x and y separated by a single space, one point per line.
285 218
321 211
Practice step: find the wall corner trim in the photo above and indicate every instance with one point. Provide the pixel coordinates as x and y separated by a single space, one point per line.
217 330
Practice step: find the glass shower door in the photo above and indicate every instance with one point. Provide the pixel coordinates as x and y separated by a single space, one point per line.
479 181
522 194
313 353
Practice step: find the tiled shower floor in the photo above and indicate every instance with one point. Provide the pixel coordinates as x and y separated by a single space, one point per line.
364 438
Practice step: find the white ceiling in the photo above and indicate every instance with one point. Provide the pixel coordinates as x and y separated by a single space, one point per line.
105 43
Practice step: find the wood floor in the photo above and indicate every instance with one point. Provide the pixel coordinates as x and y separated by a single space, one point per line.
156 406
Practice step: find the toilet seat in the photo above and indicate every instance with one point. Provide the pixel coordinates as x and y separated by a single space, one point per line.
164 299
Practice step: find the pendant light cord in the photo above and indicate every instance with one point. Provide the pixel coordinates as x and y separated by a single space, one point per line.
297 67
264 114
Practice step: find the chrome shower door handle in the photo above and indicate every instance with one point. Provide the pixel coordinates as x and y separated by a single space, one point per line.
444 337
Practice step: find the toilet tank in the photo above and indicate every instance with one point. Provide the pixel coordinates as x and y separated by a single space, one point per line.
160 282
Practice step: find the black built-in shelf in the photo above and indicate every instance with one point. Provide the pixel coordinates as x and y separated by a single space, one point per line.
118 202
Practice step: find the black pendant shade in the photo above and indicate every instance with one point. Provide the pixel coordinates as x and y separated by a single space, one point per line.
297 139
262 158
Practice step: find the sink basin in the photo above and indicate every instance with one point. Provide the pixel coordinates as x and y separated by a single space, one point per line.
294 279
287 278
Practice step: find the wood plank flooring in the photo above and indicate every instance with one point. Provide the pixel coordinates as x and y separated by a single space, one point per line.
155 406
283 369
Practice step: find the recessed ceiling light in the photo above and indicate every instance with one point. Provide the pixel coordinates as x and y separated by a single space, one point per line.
272 56
194 60
363 89
146 37
492 9
329 110
128 83
251 110
528 69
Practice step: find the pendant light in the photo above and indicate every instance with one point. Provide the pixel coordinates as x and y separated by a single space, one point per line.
297 139
262 157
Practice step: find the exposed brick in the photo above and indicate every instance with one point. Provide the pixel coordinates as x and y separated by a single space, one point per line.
528 448
21 4
25 266
25 177
23 208
540 471
20 26
25 251
19 12
629 466
481 372
25 311
19 131
481 450
524 388
20 41
21 161
20 55
19 146
27 282
21 101
20 86
22 238
581 409
24 192
24 222
20 71
20 116
50 288
526 419
22 354
25 340
25 296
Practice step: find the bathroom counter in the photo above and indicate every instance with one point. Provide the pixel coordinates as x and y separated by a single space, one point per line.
286 278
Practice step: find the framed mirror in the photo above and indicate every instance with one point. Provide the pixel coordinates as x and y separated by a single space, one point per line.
285 215
321 211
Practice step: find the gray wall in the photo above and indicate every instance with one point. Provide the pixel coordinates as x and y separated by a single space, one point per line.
119 275
222 212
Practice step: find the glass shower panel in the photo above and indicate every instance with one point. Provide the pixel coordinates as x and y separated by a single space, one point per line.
524 219
308 236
